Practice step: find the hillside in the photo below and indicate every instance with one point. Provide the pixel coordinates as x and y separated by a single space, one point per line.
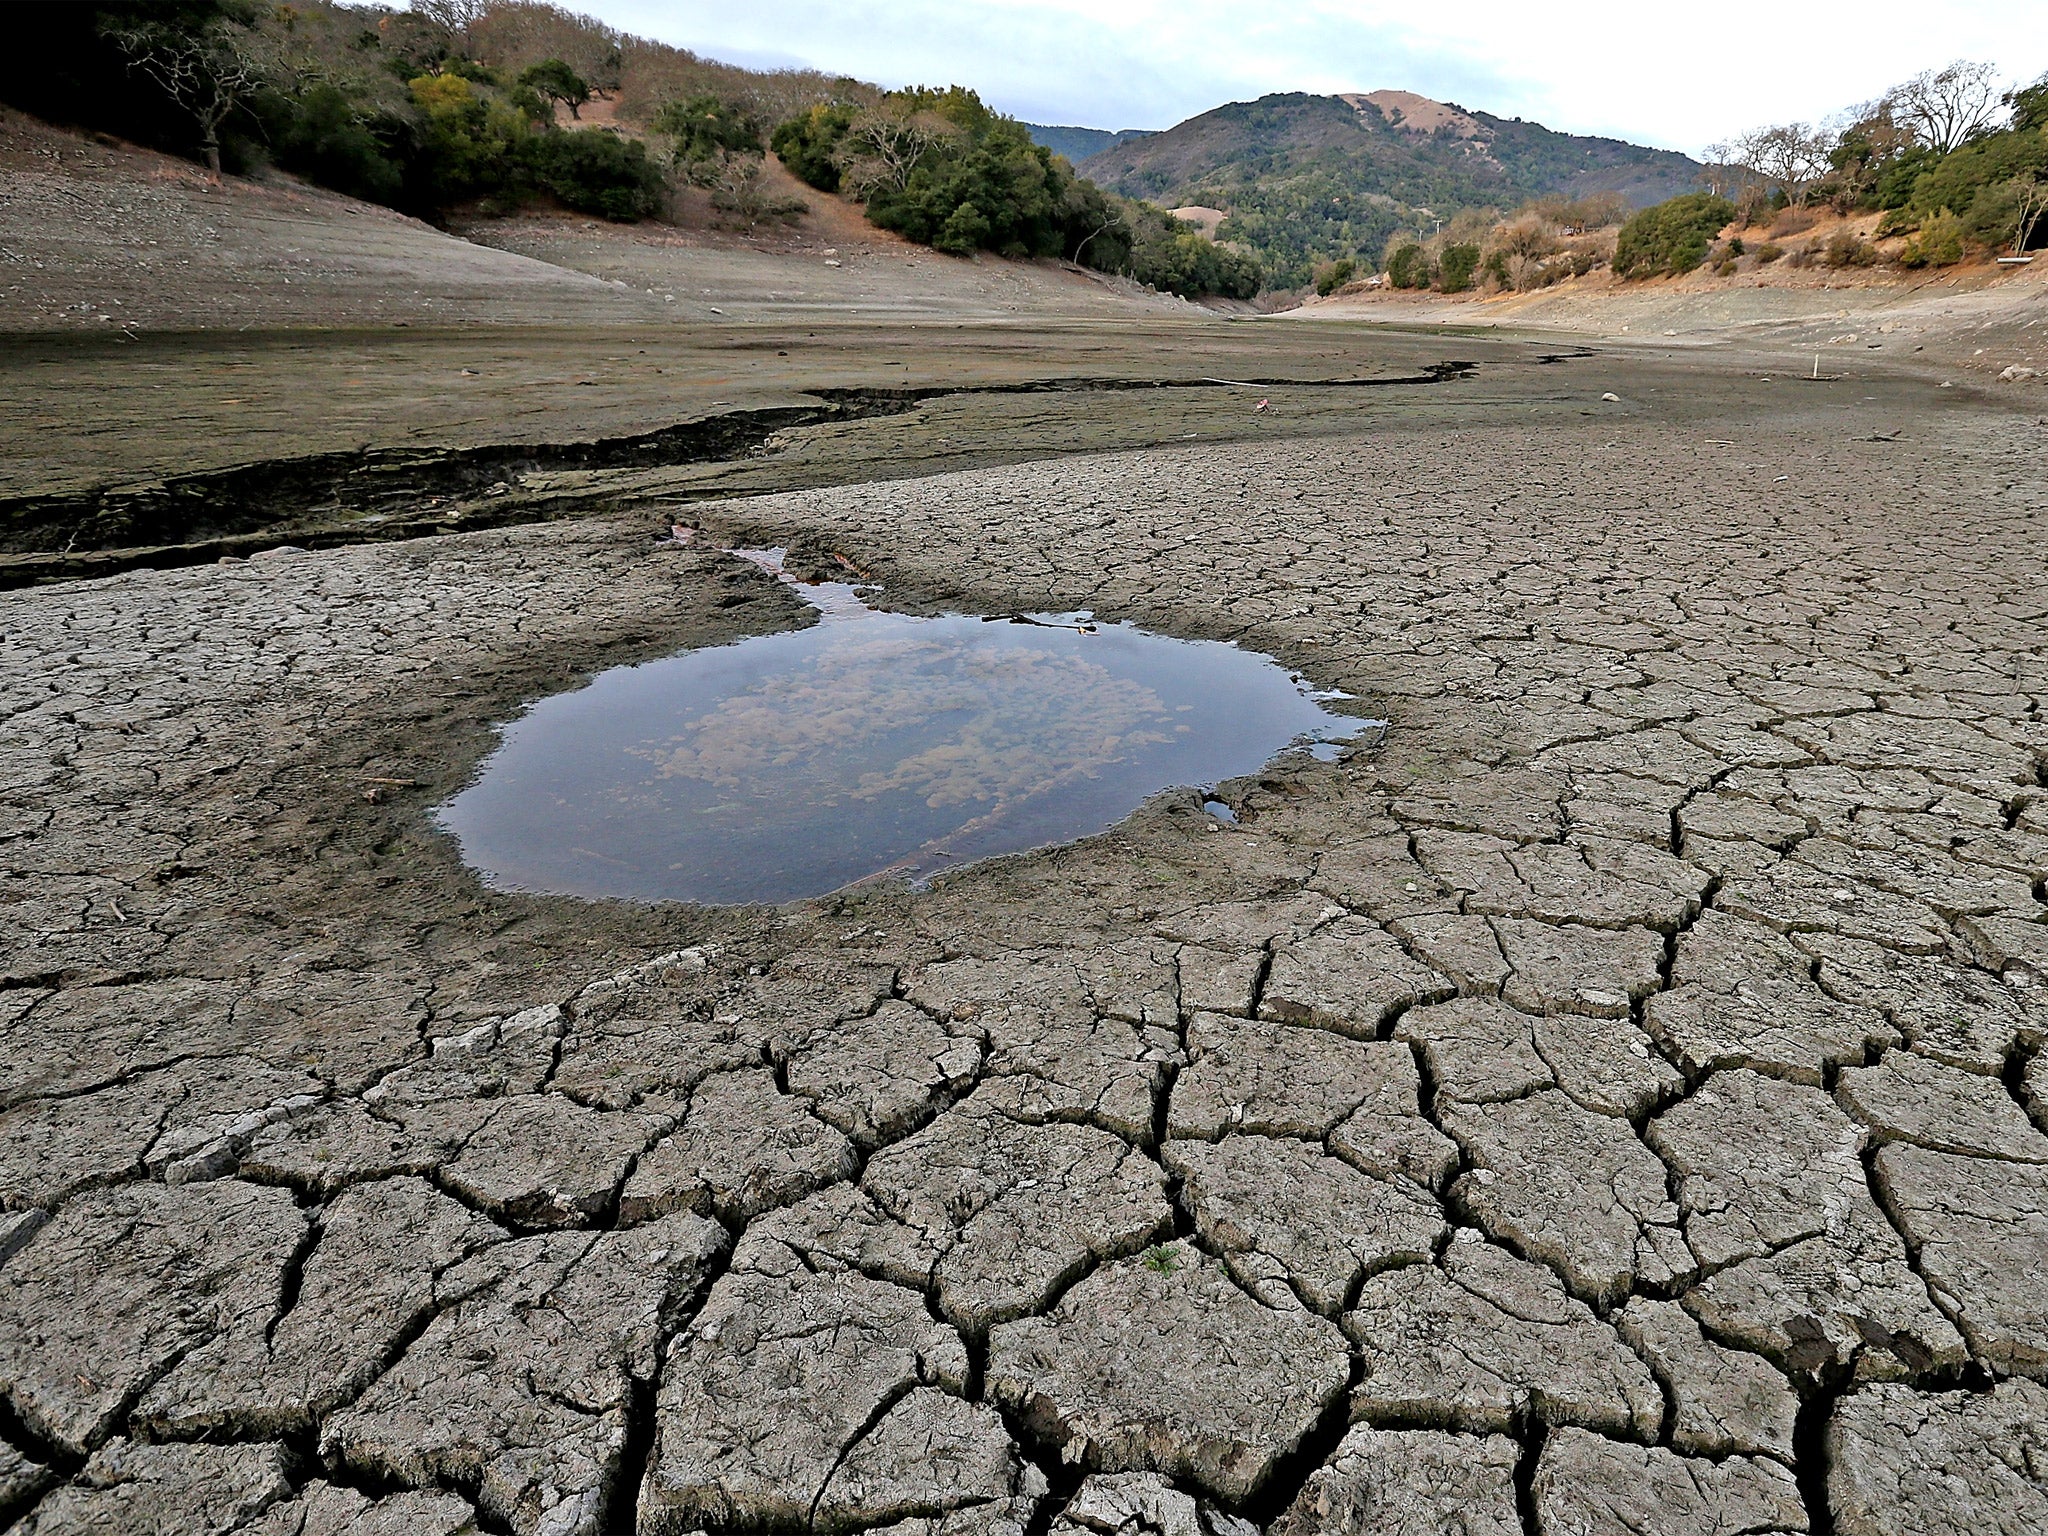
1308 177
1077 144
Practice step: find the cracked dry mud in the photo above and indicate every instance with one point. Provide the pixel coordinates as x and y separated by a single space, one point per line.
1612 1104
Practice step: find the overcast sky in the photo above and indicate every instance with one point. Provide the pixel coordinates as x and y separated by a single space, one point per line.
1679 75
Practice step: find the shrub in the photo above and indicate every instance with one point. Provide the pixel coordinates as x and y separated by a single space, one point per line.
1938 244
1768 252
1846 248
1496 268
1736 247
1671 237
809 145
1332 275
595 172
1725 267
704 132
1456 266
1408 267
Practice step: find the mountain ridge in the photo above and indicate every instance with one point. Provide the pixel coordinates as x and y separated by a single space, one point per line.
1308 177
1077 144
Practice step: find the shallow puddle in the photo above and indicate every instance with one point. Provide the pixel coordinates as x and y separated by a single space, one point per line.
871 744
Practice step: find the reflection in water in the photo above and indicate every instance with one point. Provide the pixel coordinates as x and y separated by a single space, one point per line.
874 743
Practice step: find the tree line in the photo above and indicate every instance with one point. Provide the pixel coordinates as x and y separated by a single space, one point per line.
454 104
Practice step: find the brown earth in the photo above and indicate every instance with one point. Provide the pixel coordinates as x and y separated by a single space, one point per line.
1611 1100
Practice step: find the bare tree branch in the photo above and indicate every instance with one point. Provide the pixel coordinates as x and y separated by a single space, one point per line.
1947 108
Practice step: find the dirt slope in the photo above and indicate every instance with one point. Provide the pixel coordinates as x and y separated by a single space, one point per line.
95 234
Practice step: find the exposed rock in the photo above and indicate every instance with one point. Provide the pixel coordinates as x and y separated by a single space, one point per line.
1409 1482
543 1160
742 1149
1904 1463
788 1362
1350 975
1281 1213
879 1078
1910 1098
930 1454
1019 1210
1723 1401
521 1390
1486 1338
374 1274
1980 1229
1162 1364
129 1489
1571 1188
122 1283
1567 968
1593 1487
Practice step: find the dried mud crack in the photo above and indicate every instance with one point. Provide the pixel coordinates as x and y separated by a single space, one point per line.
1614 1102
330 500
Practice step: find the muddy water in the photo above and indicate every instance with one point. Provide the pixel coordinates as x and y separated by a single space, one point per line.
872 744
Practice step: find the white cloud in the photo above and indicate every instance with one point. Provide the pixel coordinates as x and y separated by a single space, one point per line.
1679 76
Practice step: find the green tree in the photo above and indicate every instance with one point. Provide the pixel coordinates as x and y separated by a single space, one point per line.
809 144
556 81
706 134
1332 275
1456 266
1408 267
1672 237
